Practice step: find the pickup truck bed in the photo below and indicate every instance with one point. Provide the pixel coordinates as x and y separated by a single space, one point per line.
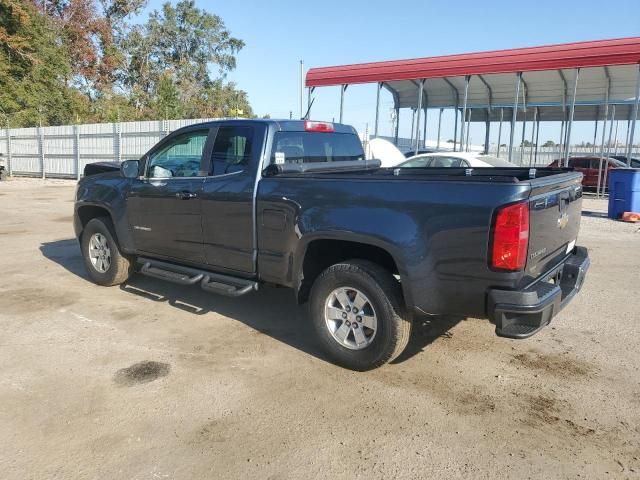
305 210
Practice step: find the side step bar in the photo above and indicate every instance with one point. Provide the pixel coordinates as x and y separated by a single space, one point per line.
209 281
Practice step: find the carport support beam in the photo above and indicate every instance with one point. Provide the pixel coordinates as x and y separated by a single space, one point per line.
487 126
466 141
455 129
375 127
418 111
604 175
397 126
524 131
535 157
571 114
439 125
514 114
533 128
561 142
464 111
604 130
634 117
413 127
342 90
424 125
500 132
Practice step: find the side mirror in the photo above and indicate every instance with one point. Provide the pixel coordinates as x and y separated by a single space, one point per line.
130 168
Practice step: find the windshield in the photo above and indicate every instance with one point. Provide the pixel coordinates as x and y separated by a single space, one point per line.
495 161
312 147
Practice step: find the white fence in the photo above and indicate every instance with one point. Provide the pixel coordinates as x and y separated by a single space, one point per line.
64 151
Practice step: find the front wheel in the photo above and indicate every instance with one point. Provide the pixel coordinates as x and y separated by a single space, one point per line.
104 261
358 314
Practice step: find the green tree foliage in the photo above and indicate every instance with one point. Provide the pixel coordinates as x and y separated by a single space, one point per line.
32 63
549 143
64 61
170 59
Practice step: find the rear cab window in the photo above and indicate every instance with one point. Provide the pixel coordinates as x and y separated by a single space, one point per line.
232 149
314 147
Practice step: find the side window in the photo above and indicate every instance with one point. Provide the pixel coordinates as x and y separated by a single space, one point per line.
419 162
231 149
180 157
581 163
445 162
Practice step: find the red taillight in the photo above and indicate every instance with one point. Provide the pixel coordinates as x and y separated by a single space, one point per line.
310 126
511 237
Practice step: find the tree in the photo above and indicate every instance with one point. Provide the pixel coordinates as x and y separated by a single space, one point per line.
177 48
33 66
549 143
64 61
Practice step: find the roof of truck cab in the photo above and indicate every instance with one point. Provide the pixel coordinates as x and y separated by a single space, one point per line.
287 125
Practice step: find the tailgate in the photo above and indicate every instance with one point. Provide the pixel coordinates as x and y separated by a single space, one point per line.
555 206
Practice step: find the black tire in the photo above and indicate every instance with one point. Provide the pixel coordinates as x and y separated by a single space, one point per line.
120 267
385 295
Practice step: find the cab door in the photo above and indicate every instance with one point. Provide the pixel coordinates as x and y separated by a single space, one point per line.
228 218
164 206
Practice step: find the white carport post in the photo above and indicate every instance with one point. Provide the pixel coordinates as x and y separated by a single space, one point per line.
418 111
533 129
524 118
634 117
487 125
564 116
375 127
342 90
413 127
607 92
595 129
537 117
464 111
514 114
500 131
397 126
606 170
571 114
466 140
439 125
457 100
455 129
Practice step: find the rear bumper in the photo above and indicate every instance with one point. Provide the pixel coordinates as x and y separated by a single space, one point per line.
522 313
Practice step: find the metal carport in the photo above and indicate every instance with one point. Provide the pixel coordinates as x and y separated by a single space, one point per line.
596 80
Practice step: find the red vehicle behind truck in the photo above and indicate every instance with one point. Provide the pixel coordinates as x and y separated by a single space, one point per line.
589 167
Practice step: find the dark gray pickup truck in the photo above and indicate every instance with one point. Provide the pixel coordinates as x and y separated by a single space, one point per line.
230 205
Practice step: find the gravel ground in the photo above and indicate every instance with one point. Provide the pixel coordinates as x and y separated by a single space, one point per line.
152 380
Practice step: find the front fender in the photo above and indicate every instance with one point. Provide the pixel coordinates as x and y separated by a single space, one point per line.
108 192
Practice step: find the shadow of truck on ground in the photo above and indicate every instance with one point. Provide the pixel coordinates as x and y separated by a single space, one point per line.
271 311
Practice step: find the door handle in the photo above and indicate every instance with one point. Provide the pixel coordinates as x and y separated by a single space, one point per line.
186 195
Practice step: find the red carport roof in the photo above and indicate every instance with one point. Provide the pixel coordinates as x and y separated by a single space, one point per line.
598 53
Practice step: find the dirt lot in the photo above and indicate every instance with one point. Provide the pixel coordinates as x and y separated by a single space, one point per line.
153 380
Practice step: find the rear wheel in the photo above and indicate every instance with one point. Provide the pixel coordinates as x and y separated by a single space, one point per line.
358 314
104 261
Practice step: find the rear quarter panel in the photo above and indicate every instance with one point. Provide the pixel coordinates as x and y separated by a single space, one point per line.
436 231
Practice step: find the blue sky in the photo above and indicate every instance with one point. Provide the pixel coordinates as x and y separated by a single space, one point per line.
280 33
